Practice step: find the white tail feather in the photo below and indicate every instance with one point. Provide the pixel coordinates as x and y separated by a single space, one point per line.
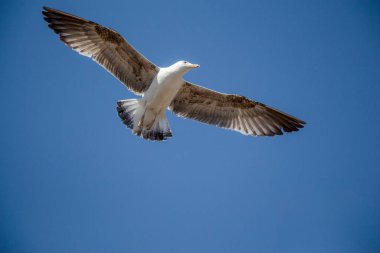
132 113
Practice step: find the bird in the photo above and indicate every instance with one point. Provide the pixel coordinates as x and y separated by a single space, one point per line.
164 88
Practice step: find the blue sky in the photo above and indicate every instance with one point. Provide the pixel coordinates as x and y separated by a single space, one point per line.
74 179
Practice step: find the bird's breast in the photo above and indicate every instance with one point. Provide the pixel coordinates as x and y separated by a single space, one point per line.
162 90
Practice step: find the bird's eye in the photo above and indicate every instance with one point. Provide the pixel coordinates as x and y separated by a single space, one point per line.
185 62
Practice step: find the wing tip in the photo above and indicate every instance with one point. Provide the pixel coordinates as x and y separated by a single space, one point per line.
46 10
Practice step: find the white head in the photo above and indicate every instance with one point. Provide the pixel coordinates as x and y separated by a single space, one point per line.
184 66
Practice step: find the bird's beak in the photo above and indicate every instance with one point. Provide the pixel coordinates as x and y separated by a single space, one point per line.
196 65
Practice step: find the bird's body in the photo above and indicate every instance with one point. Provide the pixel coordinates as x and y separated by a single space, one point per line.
164 88
150 111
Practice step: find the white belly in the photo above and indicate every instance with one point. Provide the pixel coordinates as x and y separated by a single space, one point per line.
162 90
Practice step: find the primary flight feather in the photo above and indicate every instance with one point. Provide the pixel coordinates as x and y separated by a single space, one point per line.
164 88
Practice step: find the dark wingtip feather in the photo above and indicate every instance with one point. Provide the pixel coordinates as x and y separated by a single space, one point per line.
302 122
51 26
48 9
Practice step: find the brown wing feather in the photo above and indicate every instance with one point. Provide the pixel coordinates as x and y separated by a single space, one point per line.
232 111
105 46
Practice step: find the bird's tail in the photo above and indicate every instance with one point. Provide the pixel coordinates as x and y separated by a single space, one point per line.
151 127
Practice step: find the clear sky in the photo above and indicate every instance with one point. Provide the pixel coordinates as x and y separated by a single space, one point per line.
74 179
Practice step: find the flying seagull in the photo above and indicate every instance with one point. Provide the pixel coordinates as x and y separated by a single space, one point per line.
164 88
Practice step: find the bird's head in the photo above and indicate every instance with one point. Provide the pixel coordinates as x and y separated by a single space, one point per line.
184 66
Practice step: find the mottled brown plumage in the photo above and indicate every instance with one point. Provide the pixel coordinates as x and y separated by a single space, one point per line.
232 112
105 46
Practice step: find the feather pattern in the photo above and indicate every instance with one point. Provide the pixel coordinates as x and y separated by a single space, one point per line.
232 112
105 46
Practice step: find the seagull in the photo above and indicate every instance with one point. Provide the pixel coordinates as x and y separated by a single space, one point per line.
164 88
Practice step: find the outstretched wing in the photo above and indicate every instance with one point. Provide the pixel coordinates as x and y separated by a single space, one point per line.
105 46
232 111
